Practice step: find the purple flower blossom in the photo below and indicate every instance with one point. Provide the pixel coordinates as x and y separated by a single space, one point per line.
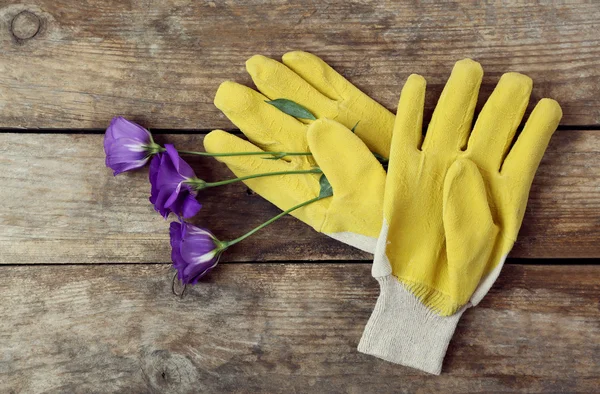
169 190
194 251
127 145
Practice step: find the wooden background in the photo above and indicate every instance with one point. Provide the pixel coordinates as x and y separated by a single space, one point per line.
85 301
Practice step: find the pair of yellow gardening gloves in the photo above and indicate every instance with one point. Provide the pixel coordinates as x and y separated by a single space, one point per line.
443 218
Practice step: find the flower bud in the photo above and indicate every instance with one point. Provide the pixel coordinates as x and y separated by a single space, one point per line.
127 145
194 251
170 191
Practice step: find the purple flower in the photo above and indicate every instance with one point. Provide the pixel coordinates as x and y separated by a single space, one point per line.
169 190
194 251
127 145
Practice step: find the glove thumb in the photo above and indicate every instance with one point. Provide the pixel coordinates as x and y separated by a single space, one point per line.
345 160
469 228
358 182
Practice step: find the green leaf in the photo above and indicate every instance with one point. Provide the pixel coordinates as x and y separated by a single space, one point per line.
384 161
291 108
326 189
354 128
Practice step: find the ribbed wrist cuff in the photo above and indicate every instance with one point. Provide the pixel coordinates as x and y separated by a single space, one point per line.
404 331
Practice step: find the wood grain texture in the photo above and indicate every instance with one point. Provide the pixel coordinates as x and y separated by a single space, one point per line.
62 205
281 328
75 64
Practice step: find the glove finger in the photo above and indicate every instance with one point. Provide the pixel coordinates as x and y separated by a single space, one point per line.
345 160
285 191
451 121
525 156
409 122
405 143
219 141
498 121
319 74
275 81
263 124
374 123
469 229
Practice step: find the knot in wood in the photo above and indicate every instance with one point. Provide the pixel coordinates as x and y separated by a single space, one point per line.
25 25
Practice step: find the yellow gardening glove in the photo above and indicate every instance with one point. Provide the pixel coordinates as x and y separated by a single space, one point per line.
452 209
353 215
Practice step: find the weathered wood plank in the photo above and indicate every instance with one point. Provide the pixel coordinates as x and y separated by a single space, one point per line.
61 205
281 328
161 61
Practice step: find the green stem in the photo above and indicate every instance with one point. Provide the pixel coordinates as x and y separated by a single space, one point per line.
243 178
155 148
249 233
278 154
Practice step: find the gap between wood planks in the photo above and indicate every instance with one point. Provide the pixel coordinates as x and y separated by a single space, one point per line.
206 131
512 261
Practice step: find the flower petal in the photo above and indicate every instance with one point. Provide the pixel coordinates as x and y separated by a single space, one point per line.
191 206
123 167
153 175
193 231
182 167
159 204
168 191
195 246
172 200
193 276
108 140
167 173
176 233
126 148
125 154
122 128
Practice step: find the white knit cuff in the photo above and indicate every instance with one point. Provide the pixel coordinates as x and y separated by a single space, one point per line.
404 331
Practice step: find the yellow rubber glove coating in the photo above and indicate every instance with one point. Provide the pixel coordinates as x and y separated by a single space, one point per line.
452 214
357 179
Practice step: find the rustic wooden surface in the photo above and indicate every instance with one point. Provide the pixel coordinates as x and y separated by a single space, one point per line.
73 64
89 216
281 328
74 321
